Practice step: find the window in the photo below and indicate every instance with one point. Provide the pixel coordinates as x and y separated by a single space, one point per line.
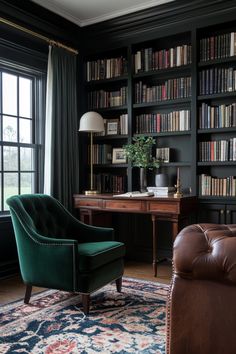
19 135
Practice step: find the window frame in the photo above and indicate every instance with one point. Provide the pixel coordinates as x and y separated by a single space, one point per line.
38 123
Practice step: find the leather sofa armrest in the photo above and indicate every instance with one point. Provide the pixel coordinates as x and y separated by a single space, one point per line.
207 252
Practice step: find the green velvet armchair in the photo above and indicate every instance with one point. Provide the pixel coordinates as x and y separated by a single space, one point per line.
59 252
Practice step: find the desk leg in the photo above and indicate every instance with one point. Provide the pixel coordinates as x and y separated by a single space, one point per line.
175 228
154 245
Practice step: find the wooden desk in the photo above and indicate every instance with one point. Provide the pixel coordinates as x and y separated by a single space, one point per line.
174 210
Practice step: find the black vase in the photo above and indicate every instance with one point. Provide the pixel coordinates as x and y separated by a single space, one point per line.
143 179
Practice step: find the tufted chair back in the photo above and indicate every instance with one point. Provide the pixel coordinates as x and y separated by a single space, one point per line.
201 307
42 214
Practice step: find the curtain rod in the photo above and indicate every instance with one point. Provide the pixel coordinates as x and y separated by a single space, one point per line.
40 36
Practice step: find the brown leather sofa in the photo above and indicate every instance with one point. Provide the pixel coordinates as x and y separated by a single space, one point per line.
201 309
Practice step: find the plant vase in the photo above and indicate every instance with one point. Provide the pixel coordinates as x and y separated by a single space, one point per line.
143 179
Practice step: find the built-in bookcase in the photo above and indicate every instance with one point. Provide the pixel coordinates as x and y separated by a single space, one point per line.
216 99
106 83
187 103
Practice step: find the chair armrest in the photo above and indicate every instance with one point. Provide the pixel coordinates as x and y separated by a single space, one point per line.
49 262
88 233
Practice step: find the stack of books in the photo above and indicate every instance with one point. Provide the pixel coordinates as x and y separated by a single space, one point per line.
161 191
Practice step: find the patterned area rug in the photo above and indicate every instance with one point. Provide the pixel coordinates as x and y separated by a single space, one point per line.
129 322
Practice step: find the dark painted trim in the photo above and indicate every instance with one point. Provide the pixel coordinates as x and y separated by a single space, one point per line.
38 19
158 22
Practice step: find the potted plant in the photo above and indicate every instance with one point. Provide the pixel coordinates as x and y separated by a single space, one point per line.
140 155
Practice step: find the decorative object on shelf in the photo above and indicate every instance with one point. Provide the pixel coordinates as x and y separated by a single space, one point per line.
161 180
140 155
113 127
118 155
91 122
178 193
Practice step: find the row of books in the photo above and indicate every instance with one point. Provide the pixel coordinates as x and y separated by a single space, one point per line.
106 68
102 154
105 99
214 186
163 122
108 183
161 191
149 59
217 80
170 90
217 47
219 150
222 116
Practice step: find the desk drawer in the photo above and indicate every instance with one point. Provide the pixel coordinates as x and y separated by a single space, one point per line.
163 207
93 203
127 205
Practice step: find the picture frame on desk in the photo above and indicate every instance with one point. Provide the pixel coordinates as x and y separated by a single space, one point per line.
118 156
113 127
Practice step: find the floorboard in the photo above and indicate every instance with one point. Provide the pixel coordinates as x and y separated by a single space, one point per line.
12 289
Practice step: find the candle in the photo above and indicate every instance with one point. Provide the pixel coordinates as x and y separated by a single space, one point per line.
177 173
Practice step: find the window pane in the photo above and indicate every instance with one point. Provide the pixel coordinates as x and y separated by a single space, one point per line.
10 186
10 158
25 131
25 95
9 94
9 128
26 159
27 183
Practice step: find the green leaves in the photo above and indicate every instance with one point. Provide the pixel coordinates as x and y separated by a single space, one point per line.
140 152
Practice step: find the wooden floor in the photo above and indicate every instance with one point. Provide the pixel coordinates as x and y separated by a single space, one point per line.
13 289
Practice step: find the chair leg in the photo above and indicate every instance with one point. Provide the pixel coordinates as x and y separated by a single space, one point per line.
27 294
86 303
119 284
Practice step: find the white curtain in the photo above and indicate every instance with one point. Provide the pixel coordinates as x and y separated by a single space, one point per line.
48 129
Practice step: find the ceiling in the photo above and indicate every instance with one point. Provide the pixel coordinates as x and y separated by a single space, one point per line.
87 12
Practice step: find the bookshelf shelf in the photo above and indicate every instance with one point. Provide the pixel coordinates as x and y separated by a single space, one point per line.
163 72
174 133
217 130
111 109
107 81
176 164
113 165
231 59
217 163
111 137
217 96
162 103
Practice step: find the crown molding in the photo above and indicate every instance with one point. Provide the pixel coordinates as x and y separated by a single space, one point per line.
82 23
127 11
158 21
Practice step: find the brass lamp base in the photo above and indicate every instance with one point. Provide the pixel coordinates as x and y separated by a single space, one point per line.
91 192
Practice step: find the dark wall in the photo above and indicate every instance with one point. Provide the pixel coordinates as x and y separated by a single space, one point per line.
16 46
130 29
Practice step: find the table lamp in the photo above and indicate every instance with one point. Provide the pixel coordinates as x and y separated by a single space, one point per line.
91 122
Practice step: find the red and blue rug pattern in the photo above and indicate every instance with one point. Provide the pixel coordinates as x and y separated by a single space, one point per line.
53 323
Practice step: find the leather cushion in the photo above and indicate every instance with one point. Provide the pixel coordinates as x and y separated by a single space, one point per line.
93 255
206 251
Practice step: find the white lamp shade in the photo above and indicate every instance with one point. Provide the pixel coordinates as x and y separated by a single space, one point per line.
91 122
